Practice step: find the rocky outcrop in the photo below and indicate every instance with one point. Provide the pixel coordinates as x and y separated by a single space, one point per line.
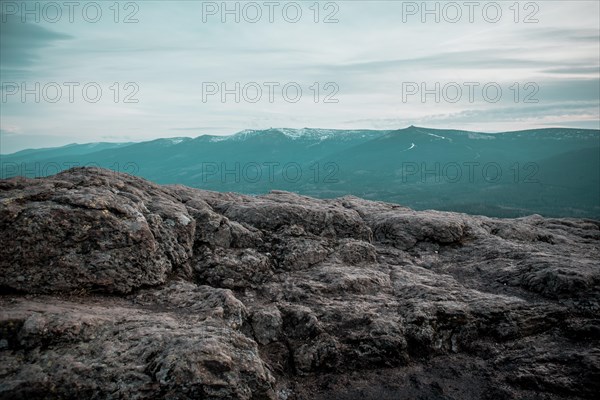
114 287
91 232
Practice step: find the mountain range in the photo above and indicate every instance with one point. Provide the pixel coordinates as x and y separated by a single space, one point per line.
553 172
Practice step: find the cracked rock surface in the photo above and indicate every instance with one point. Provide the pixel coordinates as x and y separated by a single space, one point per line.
113 287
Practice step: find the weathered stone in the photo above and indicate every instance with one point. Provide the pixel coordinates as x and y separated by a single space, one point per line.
267 324
114 287
90 230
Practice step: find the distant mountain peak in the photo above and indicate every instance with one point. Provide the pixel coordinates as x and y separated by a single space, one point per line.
292 133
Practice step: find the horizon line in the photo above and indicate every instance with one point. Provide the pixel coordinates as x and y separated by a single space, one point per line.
294 129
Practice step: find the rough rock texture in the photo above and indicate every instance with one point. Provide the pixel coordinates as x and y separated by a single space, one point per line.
114 287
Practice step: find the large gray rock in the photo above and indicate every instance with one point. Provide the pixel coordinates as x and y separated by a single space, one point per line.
113 287
90 231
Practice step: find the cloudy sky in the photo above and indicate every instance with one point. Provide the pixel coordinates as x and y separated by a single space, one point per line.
162 66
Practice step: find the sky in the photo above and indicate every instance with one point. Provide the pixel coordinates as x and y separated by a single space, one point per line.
84 71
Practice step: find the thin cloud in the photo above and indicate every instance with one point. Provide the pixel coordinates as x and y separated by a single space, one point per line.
574 70
21 40
9 130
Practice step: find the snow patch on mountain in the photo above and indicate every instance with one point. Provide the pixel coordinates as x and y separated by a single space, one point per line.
298 134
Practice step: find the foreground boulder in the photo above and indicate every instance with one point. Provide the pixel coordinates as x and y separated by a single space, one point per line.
114 287
91 232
